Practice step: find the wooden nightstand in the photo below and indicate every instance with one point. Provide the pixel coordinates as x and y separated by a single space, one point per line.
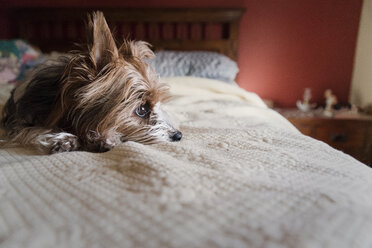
350 134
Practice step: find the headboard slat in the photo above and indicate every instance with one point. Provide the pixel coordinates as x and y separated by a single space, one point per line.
170 29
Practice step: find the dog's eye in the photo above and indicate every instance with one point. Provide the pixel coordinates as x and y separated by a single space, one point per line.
143 110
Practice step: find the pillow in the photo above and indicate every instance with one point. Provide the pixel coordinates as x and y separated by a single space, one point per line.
16 59
197 64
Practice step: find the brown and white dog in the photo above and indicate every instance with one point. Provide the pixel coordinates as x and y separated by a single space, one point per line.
91 99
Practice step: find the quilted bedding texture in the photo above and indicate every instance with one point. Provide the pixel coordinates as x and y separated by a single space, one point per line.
242 176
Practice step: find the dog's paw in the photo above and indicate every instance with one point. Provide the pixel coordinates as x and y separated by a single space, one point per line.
64 142
104 147
99 146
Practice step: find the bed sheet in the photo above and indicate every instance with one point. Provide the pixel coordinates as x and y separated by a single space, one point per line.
242 176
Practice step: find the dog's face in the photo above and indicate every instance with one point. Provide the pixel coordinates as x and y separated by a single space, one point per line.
112 92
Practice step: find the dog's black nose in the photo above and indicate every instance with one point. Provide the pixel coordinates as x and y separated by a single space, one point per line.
177 136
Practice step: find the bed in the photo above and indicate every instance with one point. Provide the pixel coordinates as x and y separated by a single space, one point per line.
242 176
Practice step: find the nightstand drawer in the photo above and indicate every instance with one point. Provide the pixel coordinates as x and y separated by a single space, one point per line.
307 130
341 137
352 135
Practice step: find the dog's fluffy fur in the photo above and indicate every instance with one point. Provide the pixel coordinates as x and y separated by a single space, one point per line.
91 99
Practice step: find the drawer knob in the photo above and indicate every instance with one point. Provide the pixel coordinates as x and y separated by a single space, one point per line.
339 137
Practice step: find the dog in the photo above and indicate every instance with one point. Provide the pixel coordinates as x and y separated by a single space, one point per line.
92 99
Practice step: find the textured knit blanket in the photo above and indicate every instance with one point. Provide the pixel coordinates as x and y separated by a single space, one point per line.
242 176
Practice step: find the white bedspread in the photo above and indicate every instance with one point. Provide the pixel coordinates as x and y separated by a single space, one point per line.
242 176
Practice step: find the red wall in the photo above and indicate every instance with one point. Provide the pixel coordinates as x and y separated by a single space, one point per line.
284 45
287 45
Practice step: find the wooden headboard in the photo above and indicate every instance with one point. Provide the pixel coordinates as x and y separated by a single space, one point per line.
53 29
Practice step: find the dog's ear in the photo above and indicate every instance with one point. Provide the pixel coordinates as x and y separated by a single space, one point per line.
139 49
103 49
